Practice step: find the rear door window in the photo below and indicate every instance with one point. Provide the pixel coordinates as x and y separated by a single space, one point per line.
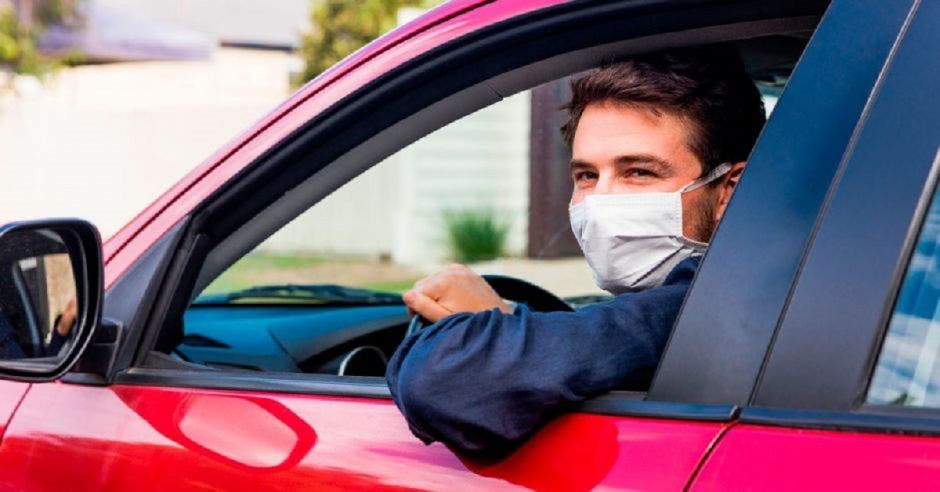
908 372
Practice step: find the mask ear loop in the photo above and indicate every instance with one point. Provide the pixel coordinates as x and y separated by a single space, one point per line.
716 173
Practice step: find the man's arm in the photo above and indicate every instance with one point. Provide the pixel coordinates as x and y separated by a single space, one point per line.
62 327
483 382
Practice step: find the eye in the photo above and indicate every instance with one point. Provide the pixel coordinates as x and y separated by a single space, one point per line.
584 176
638 172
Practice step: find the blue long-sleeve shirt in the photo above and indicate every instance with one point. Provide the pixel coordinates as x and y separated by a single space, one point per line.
483 382
10 348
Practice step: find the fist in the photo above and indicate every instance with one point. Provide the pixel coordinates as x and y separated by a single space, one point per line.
67 319
455 289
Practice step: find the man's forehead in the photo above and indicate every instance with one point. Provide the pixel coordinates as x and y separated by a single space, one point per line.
625 134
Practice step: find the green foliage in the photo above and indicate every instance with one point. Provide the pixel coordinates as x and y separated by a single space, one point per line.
475 235
18 53
340 27
18 45
57 11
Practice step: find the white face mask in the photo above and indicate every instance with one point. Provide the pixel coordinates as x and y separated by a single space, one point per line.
632 241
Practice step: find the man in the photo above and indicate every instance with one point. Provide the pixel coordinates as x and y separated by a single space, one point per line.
658 145
10 347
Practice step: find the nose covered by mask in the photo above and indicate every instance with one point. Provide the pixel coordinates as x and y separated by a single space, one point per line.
632 241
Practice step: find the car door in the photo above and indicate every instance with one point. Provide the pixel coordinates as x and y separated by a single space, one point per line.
12 393
122 422
847 399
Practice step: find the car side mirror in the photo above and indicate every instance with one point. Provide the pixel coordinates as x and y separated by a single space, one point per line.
51 286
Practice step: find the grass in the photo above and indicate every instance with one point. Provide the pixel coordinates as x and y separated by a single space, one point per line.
392 286
256 266
260 268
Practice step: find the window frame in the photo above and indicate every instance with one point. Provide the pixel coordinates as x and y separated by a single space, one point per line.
818 372
744 283
172 270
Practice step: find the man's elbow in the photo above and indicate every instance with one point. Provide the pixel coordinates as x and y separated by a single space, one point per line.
436 411
417 396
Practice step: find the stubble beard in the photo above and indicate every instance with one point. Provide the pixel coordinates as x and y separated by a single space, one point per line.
703 218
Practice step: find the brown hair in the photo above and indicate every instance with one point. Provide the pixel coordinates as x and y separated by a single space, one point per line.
706 86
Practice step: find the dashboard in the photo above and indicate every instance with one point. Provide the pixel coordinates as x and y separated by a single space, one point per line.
292 337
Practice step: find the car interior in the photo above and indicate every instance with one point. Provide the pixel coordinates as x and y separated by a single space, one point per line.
309 279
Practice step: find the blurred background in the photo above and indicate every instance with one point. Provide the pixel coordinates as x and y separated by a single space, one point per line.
105 104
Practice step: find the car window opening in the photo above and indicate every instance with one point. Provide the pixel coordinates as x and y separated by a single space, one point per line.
323 294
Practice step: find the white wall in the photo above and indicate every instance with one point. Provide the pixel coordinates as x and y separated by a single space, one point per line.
103 141
480 162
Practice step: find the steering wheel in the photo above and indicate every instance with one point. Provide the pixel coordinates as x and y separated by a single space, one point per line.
511 289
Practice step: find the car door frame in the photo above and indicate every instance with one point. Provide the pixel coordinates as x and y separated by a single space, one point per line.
744 283
188 242
143 297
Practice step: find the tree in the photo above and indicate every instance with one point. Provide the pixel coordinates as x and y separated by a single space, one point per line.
340 27
20 28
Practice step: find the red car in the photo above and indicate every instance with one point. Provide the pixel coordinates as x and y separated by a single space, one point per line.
803 358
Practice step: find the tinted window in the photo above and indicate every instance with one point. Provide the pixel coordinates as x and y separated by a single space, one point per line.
907 372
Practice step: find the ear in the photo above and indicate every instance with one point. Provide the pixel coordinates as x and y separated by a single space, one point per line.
726 188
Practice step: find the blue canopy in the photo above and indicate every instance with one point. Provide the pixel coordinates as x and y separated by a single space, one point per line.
109 35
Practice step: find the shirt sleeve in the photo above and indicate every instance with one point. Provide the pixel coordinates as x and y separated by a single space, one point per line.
57 341
482 383
9 346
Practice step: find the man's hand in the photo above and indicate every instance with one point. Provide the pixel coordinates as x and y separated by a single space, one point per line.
455 289
67 318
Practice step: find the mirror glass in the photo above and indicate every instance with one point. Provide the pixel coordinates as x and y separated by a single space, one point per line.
37 294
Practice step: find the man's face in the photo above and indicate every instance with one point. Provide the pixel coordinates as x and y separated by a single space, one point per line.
619 149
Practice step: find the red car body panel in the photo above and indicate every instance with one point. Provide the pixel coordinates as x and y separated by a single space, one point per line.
11 394
82 437
446 23
128 437
779 458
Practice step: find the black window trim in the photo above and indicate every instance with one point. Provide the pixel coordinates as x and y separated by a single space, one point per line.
195 241
866 418
843 364
717 354
622 403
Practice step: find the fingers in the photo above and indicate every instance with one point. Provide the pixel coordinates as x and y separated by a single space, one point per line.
67 318
425 306
455 289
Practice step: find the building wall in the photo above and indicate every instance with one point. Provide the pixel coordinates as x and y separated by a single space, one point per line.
397 208
103 141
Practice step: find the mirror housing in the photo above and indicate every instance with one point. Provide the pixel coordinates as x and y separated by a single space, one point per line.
25 242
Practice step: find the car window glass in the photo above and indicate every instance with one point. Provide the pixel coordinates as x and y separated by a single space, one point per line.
907 372
460 194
